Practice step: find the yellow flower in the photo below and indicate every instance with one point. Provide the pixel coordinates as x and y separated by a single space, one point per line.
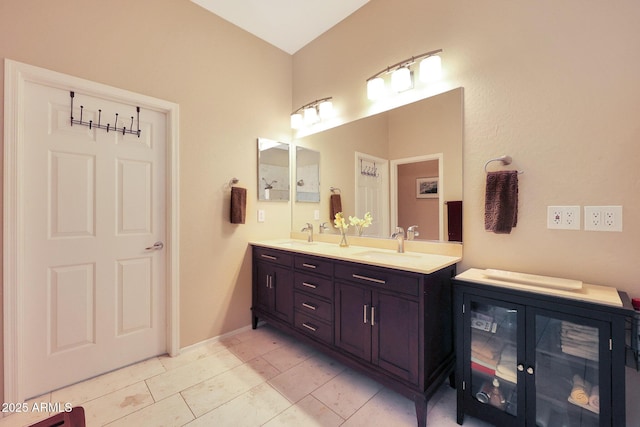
340 222
365 222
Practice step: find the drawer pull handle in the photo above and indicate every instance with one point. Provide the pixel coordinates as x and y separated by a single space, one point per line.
309 285
309 265
364 314
311 328
373 316
520 367
530 370
269 257
309 306
369 279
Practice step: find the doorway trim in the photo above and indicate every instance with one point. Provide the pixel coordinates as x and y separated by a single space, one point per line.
16 74
393 186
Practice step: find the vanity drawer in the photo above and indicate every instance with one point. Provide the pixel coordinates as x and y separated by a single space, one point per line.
314 265
379 277
272 255
313 306
313 284
321 330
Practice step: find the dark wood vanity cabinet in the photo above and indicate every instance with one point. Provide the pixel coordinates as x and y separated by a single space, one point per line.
557 361
393 325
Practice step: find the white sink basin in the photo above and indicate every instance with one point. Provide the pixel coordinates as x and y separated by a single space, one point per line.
384 256
296 243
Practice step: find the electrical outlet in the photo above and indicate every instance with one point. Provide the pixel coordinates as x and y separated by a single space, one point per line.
260 215
563 217
316 215
603 218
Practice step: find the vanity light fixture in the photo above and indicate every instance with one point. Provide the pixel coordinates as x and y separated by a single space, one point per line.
312 113
402 75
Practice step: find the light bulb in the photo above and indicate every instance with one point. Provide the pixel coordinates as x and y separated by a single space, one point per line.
310 115
325 109
375 88
430 69
296 121
401 79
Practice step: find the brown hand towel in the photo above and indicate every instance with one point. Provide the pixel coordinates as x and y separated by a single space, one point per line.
238 205
335 205
501 201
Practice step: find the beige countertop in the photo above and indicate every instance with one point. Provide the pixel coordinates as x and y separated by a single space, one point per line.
416 262
591 293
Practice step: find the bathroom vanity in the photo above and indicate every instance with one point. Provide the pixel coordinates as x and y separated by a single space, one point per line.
557 356
384 314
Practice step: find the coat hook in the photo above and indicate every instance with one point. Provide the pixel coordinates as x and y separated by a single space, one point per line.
81 108
99 116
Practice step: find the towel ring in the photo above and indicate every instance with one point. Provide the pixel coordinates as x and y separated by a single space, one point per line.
335 190
506 160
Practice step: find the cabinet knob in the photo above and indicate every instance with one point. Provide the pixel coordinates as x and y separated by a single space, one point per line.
520 367
530 370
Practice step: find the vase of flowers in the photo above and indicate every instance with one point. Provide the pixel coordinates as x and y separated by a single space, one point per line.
341 224
361 224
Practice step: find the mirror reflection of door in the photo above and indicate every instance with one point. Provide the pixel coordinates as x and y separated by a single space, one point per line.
372 182
415 205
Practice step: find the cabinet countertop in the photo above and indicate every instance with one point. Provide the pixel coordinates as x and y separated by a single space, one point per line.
591 293
408 261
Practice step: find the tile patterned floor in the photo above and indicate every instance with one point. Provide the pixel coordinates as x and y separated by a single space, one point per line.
254 378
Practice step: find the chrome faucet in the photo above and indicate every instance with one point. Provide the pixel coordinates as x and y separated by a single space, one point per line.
323 226
412 233
399 236
309 228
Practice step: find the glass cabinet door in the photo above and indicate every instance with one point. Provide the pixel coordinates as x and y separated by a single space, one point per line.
493 335
567 374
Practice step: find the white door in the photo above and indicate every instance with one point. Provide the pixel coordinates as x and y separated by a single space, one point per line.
372 190
93 298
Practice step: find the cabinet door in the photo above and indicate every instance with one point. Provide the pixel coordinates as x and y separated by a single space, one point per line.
494 348
569 386
396 336
263 286
353 319
282 289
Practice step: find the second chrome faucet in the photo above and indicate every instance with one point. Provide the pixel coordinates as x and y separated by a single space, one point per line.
399 236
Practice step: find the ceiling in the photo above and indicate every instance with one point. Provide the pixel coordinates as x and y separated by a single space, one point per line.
286 24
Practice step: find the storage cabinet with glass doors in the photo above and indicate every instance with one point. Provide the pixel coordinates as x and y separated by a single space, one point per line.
527 359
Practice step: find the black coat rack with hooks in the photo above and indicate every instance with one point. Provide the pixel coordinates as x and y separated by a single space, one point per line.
108 126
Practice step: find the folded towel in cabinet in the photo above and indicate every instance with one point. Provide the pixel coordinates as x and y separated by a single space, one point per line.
238 205
501 201
580 391
594 399
335 205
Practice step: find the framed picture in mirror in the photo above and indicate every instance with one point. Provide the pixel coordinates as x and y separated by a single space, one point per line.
427 188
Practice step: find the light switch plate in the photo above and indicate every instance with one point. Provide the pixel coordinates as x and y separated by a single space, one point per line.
260 215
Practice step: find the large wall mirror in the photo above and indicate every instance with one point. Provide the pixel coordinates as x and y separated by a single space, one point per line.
273 170
404 164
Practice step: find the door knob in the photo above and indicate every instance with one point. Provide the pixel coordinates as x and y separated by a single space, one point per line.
156 246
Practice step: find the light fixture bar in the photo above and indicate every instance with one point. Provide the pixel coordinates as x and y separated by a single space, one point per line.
312 113
404 63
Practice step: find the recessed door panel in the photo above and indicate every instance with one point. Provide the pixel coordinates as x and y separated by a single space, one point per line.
135 298
71 307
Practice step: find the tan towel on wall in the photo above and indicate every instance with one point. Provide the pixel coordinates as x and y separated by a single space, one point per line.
501 201
238 205
335 205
